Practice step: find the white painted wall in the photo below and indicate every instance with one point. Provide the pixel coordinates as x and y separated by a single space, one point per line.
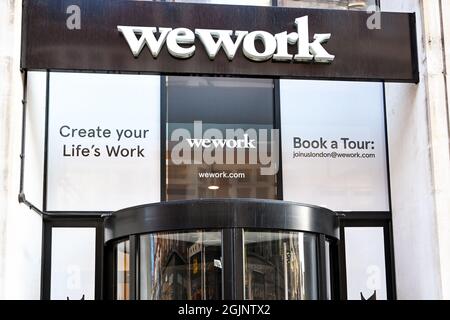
442 153
20 229
418 146
438 127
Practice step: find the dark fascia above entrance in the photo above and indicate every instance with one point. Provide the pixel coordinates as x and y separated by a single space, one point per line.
387 53
221 214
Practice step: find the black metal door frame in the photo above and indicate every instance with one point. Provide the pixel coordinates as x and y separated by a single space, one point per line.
48 223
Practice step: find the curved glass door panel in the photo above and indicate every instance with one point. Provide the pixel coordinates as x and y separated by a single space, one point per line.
122 270
280 266
181 266
223 249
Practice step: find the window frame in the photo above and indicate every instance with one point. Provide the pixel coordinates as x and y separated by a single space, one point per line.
48 223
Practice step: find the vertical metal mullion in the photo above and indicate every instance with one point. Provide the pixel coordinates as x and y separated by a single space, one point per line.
238 252
46 259
322 273
389 261
388 231
99 261
109 272
277 123
334 270
227 264
342 263
233 264
133 269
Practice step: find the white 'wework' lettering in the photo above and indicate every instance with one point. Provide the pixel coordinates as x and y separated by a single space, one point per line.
245 143
275 46
147 38
212 46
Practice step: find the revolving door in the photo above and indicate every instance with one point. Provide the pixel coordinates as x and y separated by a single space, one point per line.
221 249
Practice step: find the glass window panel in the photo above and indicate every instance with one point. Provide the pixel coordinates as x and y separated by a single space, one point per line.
103 134
365 263
181 266
328 4
334 144
73 271
280 266
238 111
122 253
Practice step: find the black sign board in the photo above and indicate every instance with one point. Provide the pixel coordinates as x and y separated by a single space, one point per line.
49 41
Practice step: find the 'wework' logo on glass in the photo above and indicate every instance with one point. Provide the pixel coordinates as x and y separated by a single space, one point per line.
244 143
240 146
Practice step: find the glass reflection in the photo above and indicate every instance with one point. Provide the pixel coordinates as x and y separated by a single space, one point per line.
220 106
122 253
280 266
181 266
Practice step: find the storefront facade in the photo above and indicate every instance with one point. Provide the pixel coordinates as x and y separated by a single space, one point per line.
176 168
